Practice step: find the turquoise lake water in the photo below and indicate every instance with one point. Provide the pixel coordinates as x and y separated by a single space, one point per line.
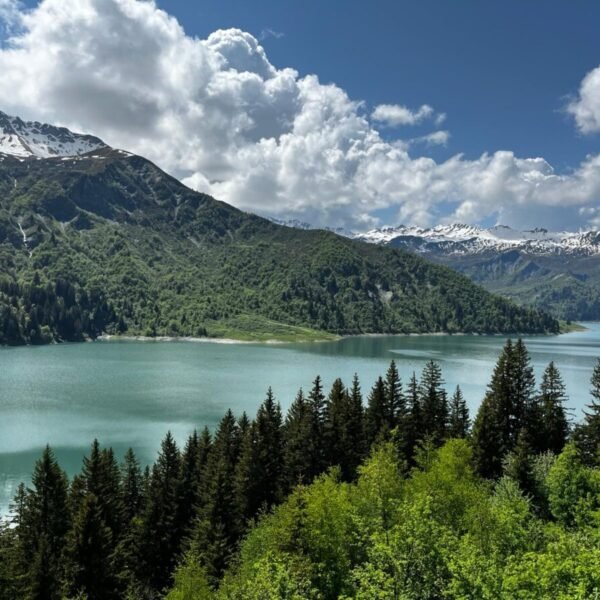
130 393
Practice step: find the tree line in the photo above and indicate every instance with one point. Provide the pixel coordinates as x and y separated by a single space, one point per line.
120 530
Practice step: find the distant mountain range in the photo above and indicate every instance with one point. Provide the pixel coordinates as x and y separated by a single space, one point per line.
556 271
95 239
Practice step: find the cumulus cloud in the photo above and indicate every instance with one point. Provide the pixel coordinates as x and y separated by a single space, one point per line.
220 116
394 115
586 107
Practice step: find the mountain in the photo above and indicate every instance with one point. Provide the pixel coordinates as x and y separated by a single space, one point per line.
558 272
105 241
26 139
470 239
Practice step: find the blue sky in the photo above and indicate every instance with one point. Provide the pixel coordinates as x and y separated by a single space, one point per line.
414 112
501 71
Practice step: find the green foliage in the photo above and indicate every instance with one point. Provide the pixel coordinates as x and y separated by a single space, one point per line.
170 261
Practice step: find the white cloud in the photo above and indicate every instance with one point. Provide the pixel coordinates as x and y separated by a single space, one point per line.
437 138
586 107
394 115
220 116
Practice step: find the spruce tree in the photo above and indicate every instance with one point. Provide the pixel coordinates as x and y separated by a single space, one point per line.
396 403
42 529
316 447
131 485
460 422
91 549
218 527
377 425
297 433
412 432
246 494
433 403
487 439
353 432
509 406
554 429
269 452
335 409
159 536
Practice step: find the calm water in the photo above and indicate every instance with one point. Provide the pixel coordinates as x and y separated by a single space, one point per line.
131 393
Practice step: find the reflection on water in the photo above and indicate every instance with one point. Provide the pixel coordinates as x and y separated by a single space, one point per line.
131 393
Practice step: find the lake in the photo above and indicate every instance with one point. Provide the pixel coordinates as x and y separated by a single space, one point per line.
129 393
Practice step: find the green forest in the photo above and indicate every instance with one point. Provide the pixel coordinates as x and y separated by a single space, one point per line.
147 256
395 496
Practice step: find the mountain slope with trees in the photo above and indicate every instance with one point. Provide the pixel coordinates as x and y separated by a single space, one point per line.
170 261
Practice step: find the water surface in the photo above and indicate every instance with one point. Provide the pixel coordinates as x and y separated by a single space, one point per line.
131 393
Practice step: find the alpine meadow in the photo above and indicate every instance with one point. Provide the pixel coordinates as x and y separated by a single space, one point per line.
299 301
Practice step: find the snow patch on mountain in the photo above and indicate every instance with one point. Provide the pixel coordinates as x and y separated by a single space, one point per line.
471 239
24 139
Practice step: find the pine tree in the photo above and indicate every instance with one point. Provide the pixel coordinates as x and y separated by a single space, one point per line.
554 424
192 478
218 527
487 439
91 551
433 403
377 425
411 433
460 422
316 447
335 409
42 529
269 452
396 403
159 537
131 485
353 432
297 433
246 495
509 406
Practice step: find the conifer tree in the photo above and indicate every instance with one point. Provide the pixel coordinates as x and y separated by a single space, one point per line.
159 536
460 422
396 403
377 424
335 409
554 428
353 432
192 478
42 529
433 403
509 406
487 439
131 485
218 527
269 452
316 447
245 476
91 551
411 433
297 433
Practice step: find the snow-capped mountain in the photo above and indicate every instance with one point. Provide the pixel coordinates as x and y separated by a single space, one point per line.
470 239
24 139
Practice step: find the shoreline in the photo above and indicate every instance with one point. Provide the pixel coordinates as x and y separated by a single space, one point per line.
229 341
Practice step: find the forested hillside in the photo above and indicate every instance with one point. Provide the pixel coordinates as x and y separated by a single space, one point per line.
397 497
170 261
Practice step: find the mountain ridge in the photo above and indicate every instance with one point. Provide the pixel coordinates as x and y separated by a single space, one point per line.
161 259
